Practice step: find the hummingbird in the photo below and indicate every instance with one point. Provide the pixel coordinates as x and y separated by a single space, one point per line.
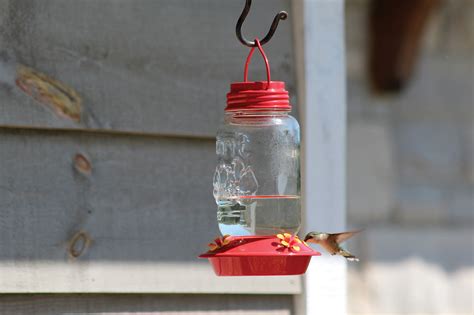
330 242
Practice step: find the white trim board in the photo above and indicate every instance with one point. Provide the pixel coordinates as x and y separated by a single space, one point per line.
320 40
134 277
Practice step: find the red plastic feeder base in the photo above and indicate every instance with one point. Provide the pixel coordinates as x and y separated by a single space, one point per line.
261 256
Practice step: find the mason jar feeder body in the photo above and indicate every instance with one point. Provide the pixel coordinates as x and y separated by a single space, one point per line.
256 183
257 178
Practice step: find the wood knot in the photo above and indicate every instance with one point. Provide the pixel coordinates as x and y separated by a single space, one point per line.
82 164
55 95
78 244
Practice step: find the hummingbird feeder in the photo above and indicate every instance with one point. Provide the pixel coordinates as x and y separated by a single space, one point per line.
257 179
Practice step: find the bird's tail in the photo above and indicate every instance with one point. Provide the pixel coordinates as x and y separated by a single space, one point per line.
348 255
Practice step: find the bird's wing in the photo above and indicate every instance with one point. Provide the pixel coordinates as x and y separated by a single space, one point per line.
331 247
341 237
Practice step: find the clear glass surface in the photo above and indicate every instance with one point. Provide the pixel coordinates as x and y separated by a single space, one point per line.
257 178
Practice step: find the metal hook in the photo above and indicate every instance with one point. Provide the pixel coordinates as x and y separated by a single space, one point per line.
282 15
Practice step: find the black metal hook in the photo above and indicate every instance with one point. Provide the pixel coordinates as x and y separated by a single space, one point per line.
282 15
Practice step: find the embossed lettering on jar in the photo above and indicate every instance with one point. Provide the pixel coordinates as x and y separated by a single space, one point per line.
257 178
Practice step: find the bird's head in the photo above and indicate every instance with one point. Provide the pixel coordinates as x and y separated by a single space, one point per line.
312 235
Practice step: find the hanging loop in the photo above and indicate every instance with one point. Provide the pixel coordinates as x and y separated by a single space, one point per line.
265 59
282 15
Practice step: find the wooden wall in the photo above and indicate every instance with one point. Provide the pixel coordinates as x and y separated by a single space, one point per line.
145 304
108 111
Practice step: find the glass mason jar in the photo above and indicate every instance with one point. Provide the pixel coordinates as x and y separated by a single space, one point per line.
257 178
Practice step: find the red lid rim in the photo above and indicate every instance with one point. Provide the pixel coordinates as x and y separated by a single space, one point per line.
258 96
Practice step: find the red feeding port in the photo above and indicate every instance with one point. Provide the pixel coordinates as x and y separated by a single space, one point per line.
260 256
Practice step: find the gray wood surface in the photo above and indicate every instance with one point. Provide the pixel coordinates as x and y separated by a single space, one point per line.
86 212
140 191
145 304
109 191
161 67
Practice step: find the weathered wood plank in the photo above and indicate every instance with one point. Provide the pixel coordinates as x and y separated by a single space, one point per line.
98 276
85 212
144 66
145 304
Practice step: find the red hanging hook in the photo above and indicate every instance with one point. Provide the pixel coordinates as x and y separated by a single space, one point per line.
265 59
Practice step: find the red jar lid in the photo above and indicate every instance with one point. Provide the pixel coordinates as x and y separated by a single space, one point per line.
258 96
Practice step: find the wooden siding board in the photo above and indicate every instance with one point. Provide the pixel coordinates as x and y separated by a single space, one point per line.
139 188
93 276
145 304
145 210
160 67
